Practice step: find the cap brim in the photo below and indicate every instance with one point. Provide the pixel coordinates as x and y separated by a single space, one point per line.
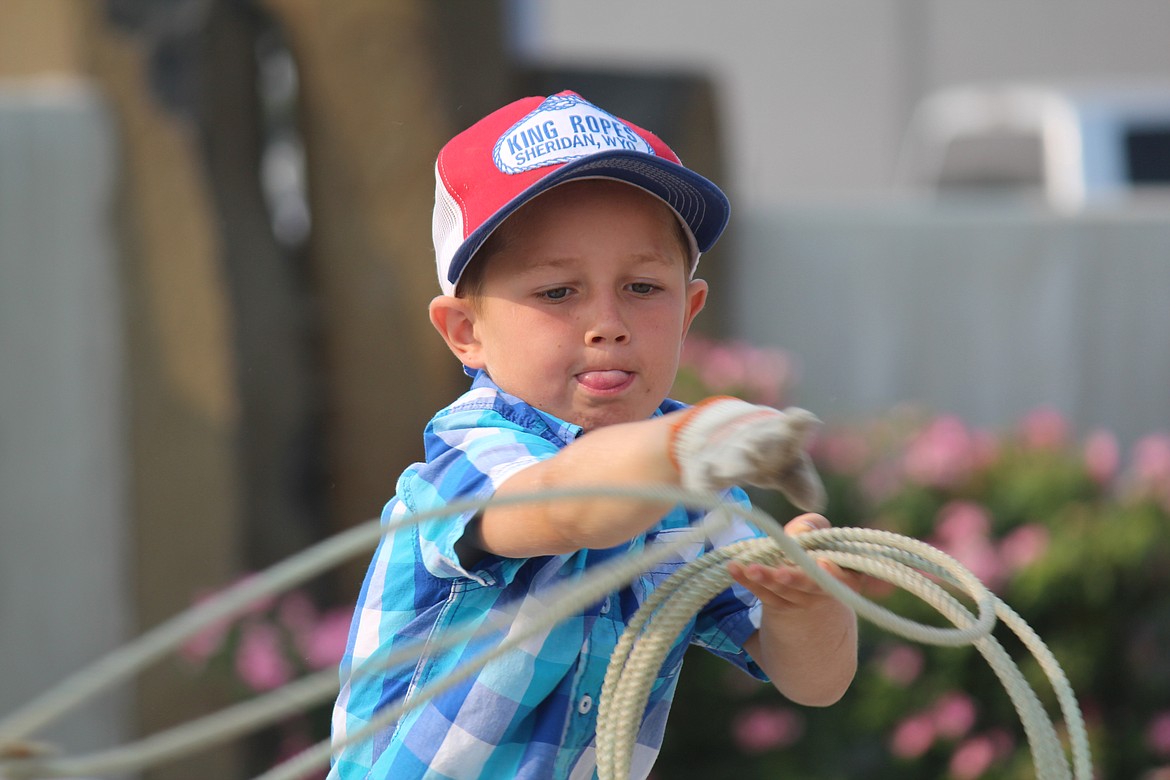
700 204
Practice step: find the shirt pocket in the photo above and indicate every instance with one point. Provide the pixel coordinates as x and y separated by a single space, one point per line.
687 545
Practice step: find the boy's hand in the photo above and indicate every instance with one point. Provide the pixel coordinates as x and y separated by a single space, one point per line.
807 640
724 441
788 587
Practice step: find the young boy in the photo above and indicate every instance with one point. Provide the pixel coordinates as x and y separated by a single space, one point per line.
566 241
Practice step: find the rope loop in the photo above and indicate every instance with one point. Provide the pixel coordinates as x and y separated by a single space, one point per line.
907 563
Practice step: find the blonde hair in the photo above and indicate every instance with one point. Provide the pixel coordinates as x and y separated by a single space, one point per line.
470 284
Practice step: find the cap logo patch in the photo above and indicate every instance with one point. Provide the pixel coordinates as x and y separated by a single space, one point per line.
561 129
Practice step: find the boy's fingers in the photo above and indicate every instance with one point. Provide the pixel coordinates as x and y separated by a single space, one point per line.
779 581
853 580
805 523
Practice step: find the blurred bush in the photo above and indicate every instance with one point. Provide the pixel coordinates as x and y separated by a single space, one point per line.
1073 535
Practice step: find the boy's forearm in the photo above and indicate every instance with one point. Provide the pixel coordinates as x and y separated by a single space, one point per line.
810 655
627 455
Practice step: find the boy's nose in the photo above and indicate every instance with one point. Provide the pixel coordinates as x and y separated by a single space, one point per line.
608 325
600 337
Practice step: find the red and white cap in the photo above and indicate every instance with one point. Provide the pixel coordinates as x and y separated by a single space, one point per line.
527 147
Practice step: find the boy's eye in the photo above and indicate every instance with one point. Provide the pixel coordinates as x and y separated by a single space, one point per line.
642 288
556 293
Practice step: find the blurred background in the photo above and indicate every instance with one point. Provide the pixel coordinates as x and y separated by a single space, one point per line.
215 261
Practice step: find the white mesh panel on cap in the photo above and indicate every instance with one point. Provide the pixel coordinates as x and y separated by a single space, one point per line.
446 232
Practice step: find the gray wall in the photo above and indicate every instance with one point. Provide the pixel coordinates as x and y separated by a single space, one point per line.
817 93
64 582
977 309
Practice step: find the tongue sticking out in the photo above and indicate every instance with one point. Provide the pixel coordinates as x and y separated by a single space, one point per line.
603 380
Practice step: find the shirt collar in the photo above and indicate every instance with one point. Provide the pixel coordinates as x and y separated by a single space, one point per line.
569 430
565 431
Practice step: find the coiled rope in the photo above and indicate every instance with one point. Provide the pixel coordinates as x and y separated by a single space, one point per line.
895 559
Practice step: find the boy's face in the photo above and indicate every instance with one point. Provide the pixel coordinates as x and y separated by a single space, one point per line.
583 308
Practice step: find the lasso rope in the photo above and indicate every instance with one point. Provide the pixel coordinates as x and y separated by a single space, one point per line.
889 557
633 666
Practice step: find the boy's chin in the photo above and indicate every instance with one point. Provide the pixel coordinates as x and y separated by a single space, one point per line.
614 414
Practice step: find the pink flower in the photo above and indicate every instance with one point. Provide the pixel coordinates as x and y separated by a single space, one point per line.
1044 429
260 660
962 532
1158 734
913 736
1024 546
297 613
954 715
261 605
1151 465
760 729
1151 457
299 617
880 482
207 642
1102 456
901 664
984 449
721 368
963 522
844 452
324 644
758 374
973 758
769 374
942 455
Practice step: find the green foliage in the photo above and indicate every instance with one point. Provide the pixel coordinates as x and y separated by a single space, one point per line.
1072 535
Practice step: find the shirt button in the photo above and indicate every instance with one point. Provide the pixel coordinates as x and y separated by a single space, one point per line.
585 704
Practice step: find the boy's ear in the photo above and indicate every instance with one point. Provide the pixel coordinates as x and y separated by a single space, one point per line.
696 300
454 318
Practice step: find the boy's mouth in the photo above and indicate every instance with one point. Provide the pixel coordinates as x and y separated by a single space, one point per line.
605 381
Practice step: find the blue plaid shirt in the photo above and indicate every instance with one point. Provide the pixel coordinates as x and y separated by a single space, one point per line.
532 713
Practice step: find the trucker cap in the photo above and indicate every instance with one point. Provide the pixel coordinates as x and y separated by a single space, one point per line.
488 171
